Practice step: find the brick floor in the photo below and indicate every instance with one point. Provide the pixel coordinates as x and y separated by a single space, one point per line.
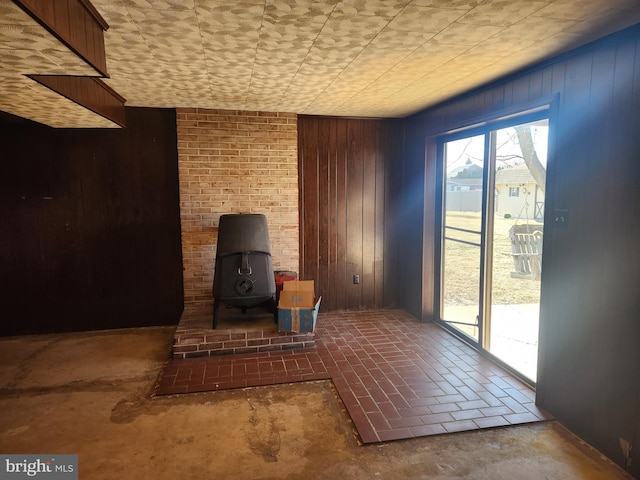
397 377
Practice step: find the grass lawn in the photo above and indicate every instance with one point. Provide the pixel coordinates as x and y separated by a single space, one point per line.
462 265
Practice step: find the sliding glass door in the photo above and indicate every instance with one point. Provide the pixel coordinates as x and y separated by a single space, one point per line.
462 234
491 240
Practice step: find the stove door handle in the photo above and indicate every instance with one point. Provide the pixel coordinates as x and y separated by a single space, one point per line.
245 269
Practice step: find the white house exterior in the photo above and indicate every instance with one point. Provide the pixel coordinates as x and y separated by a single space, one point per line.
517 194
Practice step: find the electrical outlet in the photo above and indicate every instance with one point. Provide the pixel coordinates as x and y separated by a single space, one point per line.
626 451
356 279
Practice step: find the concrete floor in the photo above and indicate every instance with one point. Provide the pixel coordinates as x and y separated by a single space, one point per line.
91 394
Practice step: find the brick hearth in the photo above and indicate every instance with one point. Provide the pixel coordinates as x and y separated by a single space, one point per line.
252 332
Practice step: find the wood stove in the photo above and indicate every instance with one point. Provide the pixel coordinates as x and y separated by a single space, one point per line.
243 276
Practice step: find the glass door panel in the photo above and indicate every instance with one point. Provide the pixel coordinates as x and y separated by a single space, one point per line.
511 328
462 234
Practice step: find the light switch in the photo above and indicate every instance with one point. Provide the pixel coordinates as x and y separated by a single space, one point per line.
561 218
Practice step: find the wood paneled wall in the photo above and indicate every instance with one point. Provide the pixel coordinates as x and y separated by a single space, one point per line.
349 173
589 348
90 231
90 92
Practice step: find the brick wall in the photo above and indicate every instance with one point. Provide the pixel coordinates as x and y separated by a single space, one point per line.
234 162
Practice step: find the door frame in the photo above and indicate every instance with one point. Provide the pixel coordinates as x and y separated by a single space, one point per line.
546 109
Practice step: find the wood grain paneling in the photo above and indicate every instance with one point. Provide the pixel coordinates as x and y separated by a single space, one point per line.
76 23
411 212
347 189
90 237
91 93
589 348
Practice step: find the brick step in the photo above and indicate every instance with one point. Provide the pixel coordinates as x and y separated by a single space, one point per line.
248 333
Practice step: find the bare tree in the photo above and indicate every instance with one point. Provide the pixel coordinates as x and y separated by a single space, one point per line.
538 172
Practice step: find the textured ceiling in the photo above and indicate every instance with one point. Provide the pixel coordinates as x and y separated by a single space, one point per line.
383 58
373 58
